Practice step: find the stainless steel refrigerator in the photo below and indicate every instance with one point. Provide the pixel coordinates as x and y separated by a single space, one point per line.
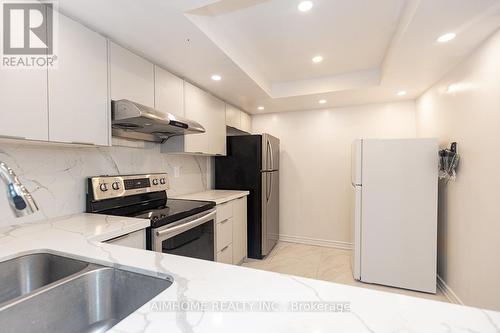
252 164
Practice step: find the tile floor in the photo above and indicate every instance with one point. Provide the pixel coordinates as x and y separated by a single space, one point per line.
322 263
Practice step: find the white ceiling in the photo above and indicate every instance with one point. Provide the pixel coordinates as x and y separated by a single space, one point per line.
281 41
263 48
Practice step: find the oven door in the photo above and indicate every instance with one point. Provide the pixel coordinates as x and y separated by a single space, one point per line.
190 237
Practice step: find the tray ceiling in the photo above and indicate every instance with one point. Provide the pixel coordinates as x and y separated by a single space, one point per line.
263 49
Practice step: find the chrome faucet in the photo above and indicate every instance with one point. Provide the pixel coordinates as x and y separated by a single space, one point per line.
21 201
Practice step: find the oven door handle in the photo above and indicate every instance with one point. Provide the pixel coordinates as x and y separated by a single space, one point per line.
185 226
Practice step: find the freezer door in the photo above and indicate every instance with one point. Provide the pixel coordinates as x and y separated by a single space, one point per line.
270 211
356 162
356 200
399 213
270 153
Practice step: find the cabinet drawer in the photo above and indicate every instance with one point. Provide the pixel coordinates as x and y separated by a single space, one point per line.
225 255
135 239
224 211
224 233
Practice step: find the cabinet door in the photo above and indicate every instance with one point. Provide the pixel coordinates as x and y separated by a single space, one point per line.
233 116
23 104
217 127
239 230
210 112
131 77
78 88
246 122
169 92
225 255
136 240
197 108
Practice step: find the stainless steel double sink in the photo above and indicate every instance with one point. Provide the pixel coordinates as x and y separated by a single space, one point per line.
45 292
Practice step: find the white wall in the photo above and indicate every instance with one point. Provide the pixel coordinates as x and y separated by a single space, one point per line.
56 175
465 107
315 162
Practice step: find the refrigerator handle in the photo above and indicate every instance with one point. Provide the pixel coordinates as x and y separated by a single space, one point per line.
270 148
270 186
267 187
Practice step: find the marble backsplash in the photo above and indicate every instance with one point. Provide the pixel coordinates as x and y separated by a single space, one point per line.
56 175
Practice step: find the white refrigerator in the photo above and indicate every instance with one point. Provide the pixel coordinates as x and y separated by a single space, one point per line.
394 215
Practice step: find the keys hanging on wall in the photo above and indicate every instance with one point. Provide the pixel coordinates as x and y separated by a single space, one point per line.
448 163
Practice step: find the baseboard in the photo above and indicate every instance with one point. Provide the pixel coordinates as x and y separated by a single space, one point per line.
316 241
446 290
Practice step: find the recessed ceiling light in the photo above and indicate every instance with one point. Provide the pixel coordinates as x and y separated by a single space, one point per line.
322 101
216 77
401 93
317 59
305 6
260 108
446 37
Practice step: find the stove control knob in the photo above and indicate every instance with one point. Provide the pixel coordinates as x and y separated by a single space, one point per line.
162 181
103 187
155 218
116 186
155 181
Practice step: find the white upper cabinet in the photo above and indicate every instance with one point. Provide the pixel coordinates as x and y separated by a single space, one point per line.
217 127
79 110
233 116
197 108
131 77
238 119
23 104
210 112
169 92
246 122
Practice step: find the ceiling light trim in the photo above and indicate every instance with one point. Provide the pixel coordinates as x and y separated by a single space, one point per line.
347 81
305 6
447 37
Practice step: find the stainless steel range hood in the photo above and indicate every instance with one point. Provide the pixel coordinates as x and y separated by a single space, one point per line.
135 121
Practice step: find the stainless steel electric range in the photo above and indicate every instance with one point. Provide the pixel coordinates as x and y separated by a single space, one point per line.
181 227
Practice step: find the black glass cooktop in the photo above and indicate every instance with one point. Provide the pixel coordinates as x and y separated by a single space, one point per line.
173 210
154 206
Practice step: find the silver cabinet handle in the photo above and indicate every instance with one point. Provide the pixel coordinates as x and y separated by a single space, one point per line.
186 226
82 143
13 137
117 238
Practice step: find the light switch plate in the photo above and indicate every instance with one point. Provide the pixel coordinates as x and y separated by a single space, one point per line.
177 172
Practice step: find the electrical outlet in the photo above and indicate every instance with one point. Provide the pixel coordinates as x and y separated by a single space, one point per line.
177 172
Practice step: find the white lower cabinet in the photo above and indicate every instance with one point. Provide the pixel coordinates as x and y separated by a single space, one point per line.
224 233
231 231
225 255
136 240
239 230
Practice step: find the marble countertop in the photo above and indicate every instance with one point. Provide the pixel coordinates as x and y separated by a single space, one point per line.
227 298
217 196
